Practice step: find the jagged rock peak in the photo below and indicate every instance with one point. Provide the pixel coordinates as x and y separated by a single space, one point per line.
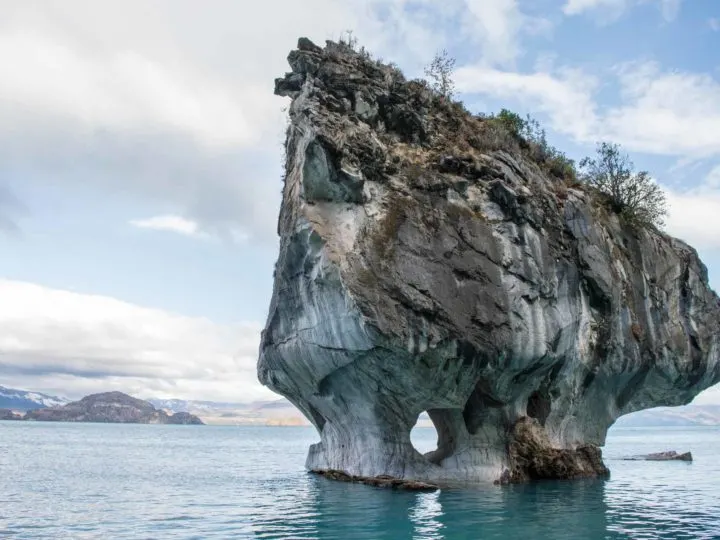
428 262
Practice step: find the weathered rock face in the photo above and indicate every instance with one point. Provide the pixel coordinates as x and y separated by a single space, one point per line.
110 407
426 265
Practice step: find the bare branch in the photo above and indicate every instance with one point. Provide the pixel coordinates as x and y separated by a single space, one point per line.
439 71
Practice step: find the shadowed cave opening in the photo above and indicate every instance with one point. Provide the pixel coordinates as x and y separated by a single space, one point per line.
538 406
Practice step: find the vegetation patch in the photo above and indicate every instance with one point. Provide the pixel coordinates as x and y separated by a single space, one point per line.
633 195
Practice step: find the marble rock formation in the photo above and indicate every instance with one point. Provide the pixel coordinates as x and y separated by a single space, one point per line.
428 262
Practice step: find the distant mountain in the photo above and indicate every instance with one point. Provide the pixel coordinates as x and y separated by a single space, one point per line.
183 405
22 400
111 407
282 412
7 414
689 415
279 412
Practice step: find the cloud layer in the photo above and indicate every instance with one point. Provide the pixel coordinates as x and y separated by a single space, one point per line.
172 102
67 342
175 224
660 112
695 213
611 9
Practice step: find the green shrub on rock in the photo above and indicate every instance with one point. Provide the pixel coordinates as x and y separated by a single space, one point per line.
632 194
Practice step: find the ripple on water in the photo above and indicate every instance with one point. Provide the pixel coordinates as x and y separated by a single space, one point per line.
172 482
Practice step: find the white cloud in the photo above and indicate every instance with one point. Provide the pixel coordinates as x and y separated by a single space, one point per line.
73 343
496 25
187 227
672 113
670 9
170 102
695 213
714 24
611 9
565 96
668 113
173 102
126 92
176 224
576 7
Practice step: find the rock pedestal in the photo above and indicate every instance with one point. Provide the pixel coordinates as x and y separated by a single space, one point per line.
429 262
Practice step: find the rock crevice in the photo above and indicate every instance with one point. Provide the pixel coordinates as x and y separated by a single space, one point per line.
426 266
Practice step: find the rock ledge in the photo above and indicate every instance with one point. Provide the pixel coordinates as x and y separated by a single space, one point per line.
378 481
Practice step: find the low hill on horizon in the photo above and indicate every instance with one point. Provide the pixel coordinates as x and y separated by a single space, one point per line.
110 407
280 412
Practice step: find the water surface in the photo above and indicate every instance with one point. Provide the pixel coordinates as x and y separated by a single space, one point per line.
172 482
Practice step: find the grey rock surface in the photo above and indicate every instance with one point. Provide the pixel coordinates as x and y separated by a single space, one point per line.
426 265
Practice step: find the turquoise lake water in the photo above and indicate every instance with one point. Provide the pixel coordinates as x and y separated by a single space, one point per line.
102 481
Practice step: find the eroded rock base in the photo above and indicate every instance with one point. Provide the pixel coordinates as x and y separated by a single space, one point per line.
377 481
531 457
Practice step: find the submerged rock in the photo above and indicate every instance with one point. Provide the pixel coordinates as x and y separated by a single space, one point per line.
669 456
377 481
672 455
110 407
428 263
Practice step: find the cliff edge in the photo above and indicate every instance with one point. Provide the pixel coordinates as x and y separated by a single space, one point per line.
427 263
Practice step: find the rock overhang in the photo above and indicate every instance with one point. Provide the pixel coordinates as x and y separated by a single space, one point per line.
422 267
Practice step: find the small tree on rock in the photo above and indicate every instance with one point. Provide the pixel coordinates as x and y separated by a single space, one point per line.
631 193
439 71
349 40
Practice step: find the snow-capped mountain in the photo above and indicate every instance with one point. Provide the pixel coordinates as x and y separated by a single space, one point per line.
22 400
182 405
282 412
275 412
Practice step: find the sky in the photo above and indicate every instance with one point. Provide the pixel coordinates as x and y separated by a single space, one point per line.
141 149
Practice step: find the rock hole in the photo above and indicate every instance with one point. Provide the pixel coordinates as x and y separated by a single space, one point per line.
441 442
424 436
538 407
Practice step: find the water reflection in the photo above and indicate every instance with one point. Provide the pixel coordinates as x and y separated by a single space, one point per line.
640 500
181 482
652 503
426 516
550 510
